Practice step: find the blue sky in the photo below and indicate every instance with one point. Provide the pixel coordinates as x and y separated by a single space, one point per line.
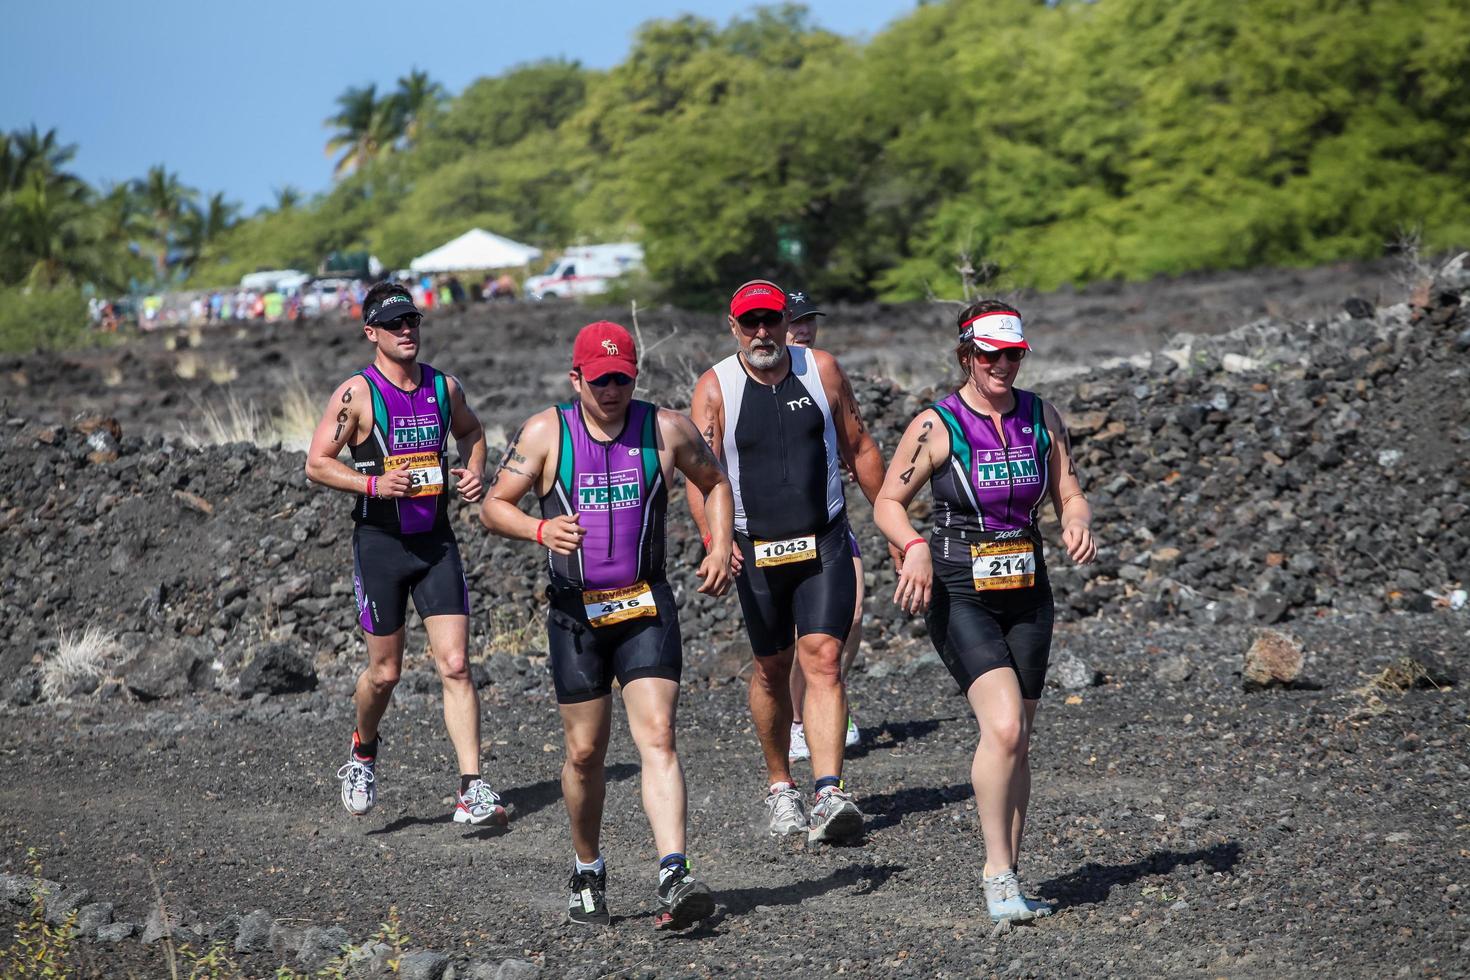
232 96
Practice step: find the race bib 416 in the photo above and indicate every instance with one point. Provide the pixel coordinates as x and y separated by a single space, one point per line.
608 606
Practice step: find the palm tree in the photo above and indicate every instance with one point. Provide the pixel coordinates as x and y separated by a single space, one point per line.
366 127
24 152
166 200
420 97
202 225
287 198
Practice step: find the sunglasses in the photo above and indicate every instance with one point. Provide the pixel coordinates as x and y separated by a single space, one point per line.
616 378
1012 354
409 320
762 318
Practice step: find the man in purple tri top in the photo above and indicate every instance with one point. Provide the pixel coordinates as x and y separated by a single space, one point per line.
396 415
601 466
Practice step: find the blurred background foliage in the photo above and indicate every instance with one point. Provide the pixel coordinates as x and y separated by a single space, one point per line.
1046 142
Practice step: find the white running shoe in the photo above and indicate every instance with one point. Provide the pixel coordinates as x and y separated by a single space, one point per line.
788 810
853 735
359 784
480 804
799 749
834 817
1005 900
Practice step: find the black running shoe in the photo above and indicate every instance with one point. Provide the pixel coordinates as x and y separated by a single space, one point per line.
587 904
682 900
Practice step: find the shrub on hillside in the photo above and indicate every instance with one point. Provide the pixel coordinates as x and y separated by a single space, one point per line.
41 319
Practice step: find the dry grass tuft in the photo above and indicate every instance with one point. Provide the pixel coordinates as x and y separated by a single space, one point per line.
78 658
232 419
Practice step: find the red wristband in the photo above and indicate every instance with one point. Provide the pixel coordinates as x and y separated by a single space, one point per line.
372 487
912 543
706 539
539 528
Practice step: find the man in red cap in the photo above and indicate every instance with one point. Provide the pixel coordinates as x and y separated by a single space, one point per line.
781 418
601 466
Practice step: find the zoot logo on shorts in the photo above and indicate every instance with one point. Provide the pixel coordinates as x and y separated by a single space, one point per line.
616 490
415 432
1016 466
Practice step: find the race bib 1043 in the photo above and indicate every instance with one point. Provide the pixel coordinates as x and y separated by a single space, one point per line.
426 476
610 606
786 551
1003 565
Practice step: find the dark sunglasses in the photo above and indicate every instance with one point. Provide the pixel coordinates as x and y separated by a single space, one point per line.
1012 354
763 318
616 378
409 320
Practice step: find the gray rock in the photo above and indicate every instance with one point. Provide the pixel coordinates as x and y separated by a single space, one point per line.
255 932
422 964
928 660
1071 673
16 889
369 960
1173 669
167 671
276 668
115 932
225 930
320 946
93 917
516 970
166 921
286 940
62 902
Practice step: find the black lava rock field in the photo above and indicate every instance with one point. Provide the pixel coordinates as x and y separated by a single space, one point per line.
1252 758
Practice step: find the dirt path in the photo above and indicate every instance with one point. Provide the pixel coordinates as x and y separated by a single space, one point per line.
1185 828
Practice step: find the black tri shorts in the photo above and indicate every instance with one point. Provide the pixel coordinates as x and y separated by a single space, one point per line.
783 602
585 658
387 568
976 632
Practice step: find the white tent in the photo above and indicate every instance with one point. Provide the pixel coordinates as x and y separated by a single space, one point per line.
476 249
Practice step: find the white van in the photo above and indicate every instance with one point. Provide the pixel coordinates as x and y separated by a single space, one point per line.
585 270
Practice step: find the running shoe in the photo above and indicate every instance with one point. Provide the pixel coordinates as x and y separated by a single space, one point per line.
480 804
853 735
682 900
359 785
799 749
788 810
587 903
834 817
1005 900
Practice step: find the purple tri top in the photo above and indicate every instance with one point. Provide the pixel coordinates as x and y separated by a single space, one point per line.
404 422
988 484
617 489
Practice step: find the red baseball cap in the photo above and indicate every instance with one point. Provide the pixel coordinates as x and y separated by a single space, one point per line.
758 294
604 348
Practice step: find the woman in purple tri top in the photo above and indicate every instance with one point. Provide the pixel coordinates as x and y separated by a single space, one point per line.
992 453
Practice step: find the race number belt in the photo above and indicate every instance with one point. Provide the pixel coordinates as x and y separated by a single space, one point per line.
1003 564
785 551
609 606
425 474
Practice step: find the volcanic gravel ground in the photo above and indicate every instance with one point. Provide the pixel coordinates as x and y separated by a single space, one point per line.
1183 827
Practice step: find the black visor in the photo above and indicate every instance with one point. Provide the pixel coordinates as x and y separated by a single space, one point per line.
389 308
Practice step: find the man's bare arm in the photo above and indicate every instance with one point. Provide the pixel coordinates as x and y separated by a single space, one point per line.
707 409
338 425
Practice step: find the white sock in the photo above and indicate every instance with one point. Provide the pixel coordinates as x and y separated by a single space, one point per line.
596 867
779 787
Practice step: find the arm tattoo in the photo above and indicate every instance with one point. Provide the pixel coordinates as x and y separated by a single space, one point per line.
709 435
341 422
1067 448
852 405
704 457
512 454
347 396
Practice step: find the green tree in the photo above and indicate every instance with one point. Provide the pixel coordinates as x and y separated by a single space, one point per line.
366 127
418 99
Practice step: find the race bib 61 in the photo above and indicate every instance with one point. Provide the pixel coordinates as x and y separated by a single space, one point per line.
425 474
